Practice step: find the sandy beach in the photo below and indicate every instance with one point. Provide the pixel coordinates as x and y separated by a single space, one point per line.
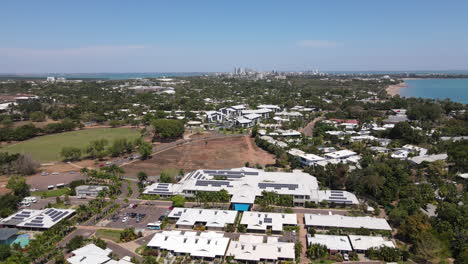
394 89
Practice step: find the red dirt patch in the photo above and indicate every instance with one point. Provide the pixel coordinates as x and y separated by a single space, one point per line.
221 153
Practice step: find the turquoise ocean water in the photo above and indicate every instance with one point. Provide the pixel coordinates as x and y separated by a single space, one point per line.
453 89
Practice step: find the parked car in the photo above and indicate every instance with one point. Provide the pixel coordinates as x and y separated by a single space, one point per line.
125 219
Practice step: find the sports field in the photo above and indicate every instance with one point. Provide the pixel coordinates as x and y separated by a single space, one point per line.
47 148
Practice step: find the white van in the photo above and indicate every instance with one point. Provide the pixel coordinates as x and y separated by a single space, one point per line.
60 185
25 203
30 199
50 187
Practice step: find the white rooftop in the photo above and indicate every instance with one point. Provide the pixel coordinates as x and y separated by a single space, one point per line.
255 248
428 158
90 254
346 221
244 184
37 219
340 243
204 244
210 217
366 242
340 154
261 221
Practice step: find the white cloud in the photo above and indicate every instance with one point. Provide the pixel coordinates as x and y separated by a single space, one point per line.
310 43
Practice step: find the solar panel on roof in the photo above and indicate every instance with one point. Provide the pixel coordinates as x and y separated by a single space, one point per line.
264 185
212 183
338 198
33 224
268 220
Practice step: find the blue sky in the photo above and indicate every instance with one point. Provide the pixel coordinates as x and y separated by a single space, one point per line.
167 36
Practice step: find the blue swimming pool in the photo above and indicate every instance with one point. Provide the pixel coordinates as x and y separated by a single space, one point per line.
22 240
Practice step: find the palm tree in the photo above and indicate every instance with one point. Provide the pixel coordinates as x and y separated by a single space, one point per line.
142 177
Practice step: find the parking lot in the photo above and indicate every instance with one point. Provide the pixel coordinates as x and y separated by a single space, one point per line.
151 214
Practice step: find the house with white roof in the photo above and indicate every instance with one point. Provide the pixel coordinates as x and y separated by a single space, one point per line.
341 221
92 254
273 108
340 154
36 219
210 218
334 244
214 117
428 158
204 245
306 159
362 243
252 248
260 222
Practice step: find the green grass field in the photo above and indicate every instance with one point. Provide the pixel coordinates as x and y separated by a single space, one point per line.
113 235
51 193
47 148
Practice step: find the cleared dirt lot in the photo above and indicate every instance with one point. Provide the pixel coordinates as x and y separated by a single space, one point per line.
220 153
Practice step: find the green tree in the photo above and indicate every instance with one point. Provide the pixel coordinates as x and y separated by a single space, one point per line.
75 243
145 149
168 176
18 185
142 177
317 251
37 116
5 252
178 201
70 153
97 149
167 128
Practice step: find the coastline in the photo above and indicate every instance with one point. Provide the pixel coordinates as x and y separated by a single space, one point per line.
394 89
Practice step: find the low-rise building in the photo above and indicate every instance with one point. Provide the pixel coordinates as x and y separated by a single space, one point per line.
210 218
36 219
362 243
89 190
335 244
204 245
92 254
260 222
341 221
245 184
252 248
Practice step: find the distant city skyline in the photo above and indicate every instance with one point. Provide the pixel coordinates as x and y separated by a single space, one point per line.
217 36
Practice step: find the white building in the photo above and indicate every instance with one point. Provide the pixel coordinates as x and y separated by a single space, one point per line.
341 154
261 222
214 117
305 159
333 243
428 158
340 221
89 190
212 219
252 248
244 184
362 243
198 245
273 108
92 254
36 219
